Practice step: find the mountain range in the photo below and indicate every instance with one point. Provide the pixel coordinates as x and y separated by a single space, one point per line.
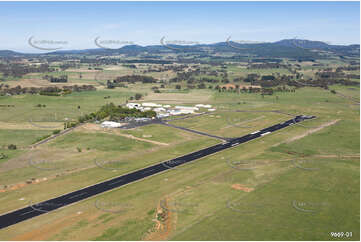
283 48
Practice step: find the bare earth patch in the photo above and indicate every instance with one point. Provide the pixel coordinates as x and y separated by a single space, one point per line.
161 229
96 127
242 187
310 131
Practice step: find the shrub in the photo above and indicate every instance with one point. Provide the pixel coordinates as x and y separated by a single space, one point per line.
12 147
138 96
3 156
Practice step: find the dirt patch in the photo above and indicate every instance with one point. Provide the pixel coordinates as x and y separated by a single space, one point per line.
96 127
141 139
163 222
90 127
310 131
242 187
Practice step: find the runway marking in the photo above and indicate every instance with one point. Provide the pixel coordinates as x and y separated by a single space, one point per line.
265 133
121 180
78 195
147 171
255 132
27 212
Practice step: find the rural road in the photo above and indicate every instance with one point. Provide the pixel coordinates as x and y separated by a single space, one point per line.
34 210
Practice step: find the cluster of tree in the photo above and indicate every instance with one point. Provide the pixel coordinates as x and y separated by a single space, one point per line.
338 73
329 74
250 89
62 78
3 156
237 88
68 65
325 82
51 91
156 89
266 66
19 70
323 79
137 96
190 75
163 68
131 66
135 78
100 61
12 147
148 61
352 76
207 79
116 113
348 68
111 85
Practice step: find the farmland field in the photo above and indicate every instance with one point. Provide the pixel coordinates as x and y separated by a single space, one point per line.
210 194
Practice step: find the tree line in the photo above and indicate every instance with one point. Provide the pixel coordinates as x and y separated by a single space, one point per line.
50 91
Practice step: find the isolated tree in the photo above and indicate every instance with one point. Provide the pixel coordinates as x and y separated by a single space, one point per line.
237 88
138 96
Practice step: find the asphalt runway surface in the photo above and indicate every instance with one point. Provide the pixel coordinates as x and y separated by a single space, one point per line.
34 210
195 131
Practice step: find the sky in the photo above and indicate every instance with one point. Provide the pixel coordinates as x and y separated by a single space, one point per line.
77 25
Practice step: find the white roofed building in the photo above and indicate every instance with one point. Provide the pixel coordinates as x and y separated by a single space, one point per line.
203 106
187 108
159 110
110 124
151 105
162 115
133 105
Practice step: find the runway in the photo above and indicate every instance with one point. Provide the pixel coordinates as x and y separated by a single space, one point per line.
34 210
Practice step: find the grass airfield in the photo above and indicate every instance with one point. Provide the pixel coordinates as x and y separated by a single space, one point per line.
299 183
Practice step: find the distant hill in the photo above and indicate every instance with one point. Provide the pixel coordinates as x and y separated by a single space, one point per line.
289 48
308 44
10 53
